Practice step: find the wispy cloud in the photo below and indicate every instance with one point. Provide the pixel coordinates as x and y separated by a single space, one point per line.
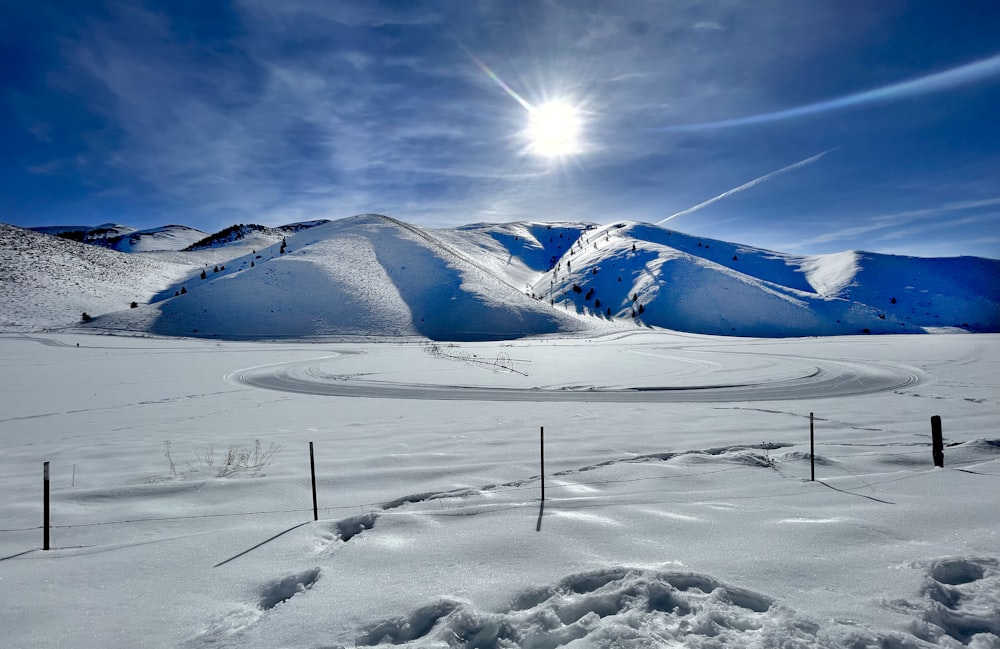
907 223
263 111
937 82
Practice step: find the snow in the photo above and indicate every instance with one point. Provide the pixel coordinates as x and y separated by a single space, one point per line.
169 237
374 275
669 520
830 274
702 285
422 365
125 238
47 281
368 275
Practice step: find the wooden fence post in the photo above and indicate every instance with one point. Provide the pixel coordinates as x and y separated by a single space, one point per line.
312 469
45 507
542 449
937 441
812 449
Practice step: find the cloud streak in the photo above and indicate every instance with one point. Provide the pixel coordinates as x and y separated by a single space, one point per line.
961 75
745 186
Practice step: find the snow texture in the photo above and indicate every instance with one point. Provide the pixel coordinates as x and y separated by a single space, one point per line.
665 522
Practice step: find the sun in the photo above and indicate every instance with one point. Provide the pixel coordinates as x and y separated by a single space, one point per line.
554 130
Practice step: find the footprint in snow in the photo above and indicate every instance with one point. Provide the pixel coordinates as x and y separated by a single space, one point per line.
343 531
613 607
960 604
224 628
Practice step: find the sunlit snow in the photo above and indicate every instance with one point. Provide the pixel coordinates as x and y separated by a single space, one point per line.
423 366
669 520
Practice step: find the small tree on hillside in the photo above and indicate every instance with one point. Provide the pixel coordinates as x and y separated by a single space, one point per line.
85 317
203 275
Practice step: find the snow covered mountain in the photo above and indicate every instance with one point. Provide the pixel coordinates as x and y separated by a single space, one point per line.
251 234
168 237
127 239
48 281
366 275
373 275
673 280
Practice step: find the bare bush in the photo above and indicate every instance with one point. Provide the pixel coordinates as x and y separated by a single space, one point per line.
236 458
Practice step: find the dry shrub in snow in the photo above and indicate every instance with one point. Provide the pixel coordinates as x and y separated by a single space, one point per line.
239 458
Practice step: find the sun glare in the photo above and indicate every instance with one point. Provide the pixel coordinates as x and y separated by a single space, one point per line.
554 130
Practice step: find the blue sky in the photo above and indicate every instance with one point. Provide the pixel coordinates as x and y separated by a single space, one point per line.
213 113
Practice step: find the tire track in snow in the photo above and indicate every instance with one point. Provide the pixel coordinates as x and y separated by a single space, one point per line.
820 378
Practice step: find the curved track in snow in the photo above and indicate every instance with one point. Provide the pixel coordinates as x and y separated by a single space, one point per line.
797 378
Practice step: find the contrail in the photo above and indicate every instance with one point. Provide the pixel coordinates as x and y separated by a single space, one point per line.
752 183
963 74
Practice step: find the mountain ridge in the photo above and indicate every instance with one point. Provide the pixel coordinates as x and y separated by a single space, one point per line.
374 275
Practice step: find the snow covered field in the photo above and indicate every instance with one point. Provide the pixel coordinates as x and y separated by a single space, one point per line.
678 511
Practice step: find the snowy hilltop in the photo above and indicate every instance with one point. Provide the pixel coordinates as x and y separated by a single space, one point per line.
372 275
126 239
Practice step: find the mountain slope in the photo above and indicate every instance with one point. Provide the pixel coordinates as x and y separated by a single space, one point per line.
47 281
250 234
366 275
127 239
373 275
168 237
676 281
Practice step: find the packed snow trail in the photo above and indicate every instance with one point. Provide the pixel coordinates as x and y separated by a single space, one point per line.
800 378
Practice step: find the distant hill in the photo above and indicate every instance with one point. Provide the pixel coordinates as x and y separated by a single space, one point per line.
48 281
251 233
127 239
373 275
